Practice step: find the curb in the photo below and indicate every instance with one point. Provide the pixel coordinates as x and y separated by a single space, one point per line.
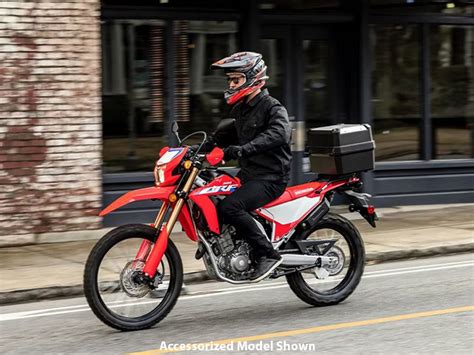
95 234
380 257
54 292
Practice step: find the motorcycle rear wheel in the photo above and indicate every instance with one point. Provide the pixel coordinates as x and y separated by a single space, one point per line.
110 285
335 288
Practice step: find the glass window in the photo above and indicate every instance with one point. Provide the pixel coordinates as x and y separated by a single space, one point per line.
200 90
272 53
317 83
452 96
297 4
454 7
134 95
396 101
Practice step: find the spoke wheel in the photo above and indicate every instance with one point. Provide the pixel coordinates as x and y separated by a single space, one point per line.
331 284
117 290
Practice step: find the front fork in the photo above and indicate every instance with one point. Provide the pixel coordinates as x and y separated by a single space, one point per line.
156 254
146 244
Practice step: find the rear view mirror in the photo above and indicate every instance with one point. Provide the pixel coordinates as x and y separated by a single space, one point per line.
174 130
174 127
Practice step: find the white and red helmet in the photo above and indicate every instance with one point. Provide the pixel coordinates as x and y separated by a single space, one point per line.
251 65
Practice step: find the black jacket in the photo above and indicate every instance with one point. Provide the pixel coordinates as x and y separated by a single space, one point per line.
264 132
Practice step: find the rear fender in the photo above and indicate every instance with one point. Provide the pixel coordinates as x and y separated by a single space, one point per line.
148 193
360 203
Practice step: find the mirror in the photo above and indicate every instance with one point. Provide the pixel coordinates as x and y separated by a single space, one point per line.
174 127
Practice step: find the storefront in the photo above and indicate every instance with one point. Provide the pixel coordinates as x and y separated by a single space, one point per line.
405 67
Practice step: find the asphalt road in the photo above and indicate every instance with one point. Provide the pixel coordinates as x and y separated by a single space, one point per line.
417 306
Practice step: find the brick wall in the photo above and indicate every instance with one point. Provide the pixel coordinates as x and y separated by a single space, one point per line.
50 117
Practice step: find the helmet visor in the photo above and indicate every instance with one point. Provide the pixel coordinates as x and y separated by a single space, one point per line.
236 80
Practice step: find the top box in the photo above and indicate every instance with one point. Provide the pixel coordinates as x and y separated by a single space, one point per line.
341 149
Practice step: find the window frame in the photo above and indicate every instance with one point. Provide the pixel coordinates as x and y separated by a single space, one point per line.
424 21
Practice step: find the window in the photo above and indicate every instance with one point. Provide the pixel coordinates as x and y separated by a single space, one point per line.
200 90
297 5
134 91
447 7
272 53
317 83
396 102
132 94
452 91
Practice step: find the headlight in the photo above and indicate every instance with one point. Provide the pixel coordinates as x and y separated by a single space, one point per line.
159 174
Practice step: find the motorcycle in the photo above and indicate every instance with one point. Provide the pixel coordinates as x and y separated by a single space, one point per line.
134 274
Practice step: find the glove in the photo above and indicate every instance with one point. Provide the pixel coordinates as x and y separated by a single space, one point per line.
232 152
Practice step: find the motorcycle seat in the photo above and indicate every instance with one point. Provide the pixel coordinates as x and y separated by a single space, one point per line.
294 192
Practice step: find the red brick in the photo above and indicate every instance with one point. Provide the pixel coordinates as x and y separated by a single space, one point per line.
50 128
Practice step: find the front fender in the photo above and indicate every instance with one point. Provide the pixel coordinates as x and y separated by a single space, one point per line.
148 193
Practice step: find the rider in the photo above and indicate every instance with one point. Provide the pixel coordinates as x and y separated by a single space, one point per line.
263 150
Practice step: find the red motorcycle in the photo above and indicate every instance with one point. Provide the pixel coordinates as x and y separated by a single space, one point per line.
134 274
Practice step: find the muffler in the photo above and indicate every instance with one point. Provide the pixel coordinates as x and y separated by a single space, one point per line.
299 260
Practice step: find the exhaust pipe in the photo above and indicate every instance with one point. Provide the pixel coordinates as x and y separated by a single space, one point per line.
299 260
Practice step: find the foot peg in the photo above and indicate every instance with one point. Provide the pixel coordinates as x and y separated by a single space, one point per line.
200 251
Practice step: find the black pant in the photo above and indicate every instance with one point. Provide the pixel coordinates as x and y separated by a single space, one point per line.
235 208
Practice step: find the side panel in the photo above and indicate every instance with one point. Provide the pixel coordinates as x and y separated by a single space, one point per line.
210 212
222 185
287 215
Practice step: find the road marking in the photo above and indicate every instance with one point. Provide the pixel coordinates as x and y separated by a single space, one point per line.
224 291
421 267
366 273
322 328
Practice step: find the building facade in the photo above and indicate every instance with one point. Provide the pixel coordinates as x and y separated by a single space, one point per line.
405 67
50 118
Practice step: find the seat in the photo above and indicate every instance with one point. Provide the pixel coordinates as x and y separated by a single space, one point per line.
294 192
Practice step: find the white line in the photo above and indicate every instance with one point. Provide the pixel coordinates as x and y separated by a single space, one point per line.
15 316
422 266
468 262
83 308
420 270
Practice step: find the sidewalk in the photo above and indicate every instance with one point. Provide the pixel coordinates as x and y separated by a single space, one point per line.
54 270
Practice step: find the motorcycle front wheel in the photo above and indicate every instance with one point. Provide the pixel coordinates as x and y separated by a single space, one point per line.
113 283
331 285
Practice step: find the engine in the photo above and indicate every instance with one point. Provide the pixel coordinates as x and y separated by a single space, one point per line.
232 254
238 260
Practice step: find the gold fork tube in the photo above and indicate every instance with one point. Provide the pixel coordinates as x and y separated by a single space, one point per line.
161 214
179 204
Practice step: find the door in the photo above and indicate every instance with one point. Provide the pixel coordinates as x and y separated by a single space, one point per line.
302 69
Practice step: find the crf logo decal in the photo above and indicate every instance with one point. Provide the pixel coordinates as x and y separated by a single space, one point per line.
214 189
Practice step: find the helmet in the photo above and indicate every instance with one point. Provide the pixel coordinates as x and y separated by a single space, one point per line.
249 64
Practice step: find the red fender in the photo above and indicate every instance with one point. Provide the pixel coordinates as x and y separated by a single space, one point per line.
148 193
